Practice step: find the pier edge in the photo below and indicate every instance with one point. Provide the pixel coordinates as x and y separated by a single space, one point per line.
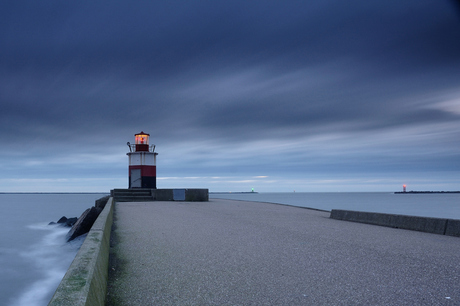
85 282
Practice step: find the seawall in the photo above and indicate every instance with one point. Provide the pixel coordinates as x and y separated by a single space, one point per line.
85 282
449 227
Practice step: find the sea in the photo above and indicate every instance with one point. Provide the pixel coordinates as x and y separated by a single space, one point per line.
437 205
34 255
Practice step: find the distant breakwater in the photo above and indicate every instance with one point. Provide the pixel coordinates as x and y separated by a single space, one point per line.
417 192
235 192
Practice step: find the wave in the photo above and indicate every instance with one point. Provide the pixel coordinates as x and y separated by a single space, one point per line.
50 257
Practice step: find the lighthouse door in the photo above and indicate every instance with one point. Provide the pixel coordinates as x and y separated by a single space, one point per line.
136 178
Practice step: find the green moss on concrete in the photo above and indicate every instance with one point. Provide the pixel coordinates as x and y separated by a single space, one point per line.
95 239
85 283
77 282
117 268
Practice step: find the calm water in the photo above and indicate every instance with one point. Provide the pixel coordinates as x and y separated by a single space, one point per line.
425 205
34 255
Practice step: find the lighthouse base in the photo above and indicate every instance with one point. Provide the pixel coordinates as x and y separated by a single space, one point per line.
142 177
143 182
147 194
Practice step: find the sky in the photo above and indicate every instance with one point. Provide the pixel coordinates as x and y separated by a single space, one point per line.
279 96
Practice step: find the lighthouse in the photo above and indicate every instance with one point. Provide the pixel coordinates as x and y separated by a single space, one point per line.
142 163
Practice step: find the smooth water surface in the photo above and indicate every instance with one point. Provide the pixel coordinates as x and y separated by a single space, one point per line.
425 205
34 256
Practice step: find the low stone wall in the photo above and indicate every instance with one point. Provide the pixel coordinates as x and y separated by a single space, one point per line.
453 228
85 283
173 194
180 194
440 226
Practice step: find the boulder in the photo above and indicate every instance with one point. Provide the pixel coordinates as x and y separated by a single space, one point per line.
84 223
71 221
63 220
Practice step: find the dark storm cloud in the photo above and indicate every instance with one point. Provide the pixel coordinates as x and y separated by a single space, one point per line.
159 38
229 73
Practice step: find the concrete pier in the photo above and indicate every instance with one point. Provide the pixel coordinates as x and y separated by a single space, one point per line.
85 282
225 252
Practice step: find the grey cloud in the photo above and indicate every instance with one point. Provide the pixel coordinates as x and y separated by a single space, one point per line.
79 76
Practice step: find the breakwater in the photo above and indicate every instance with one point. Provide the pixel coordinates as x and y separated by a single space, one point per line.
86 281
423 192
225 252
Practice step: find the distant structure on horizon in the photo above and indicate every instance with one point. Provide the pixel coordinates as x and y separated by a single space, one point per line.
142 163
404 188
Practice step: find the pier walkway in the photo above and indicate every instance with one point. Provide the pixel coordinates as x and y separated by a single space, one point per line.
225 252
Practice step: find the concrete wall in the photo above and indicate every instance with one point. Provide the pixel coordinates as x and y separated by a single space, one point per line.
453 228
85 283
163 194
146 194
424 224
196 195
181 194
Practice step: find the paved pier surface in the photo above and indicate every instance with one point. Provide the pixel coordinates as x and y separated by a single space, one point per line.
225 252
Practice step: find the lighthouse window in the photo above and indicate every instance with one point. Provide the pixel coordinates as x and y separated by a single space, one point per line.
142 138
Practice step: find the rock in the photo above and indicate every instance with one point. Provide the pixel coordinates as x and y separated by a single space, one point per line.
62 220
71 221
84 223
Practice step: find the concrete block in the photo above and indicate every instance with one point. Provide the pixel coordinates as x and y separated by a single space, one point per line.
422 224
453 228
201 195
100 203
163 194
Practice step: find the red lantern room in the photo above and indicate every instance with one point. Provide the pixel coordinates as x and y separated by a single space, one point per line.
142 163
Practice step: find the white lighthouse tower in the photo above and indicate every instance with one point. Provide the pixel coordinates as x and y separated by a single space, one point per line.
142 163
